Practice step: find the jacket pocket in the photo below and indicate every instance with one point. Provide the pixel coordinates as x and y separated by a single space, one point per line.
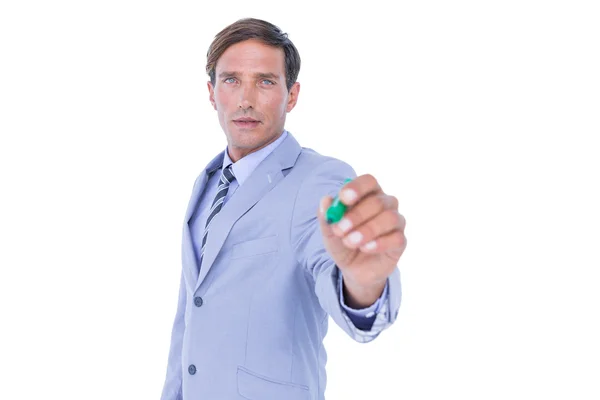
254 247
253 386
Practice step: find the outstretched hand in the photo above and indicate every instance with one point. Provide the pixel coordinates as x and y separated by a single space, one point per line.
366 244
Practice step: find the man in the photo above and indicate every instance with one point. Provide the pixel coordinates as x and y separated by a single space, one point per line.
262 267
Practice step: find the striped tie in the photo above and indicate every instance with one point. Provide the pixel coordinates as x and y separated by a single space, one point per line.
226 178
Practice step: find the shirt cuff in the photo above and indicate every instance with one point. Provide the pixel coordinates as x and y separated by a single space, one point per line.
368 313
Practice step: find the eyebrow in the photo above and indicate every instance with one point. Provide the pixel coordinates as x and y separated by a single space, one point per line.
269 75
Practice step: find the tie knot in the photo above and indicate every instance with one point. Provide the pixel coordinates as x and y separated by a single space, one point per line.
228 176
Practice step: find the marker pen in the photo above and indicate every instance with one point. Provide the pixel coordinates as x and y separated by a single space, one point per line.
336 210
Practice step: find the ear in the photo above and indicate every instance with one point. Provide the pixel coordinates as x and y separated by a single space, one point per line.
293 96
211 94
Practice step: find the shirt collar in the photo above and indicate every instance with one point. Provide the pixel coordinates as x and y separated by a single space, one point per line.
246 165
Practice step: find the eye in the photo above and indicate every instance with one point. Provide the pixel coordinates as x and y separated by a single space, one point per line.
229 80
268 82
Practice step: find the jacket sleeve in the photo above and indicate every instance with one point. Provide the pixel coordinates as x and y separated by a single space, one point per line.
307 241
172 385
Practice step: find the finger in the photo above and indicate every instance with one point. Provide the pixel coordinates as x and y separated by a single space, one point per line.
359 188
365 210
393 243
383 223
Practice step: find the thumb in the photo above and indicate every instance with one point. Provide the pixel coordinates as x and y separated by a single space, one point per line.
333 244
323 206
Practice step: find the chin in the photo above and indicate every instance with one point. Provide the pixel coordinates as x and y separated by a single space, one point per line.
247 135
245 140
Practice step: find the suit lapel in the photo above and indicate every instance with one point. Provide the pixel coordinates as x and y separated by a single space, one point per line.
264 178
190 266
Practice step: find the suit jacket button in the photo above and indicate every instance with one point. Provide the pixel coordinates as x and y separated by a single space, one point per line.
192 369
198 301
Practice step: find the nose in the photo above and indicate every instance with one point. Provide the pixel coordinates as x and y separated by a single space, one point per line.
247 97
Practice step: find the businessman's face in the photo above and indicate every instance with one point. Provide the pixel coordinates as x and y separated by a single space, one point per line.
250 96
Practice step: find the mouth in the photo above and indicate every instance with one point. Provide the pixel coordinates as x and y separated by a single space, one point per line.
246 123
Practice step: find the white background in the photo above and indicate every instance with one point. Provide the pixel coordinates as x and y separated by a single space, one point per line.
481 117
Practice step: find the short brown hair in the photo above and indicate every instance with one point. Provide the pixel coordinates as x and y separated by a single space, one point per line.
252 28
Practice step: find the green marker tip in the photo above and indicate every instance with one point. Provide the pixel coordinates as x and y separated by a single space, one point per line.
336 210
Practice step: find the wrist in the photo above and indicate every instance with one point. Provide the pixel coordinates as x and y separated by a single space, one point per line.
359 296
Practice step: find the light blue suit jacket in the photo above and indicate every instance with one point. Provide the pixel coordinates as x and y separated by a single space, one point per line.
242 169
250 324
